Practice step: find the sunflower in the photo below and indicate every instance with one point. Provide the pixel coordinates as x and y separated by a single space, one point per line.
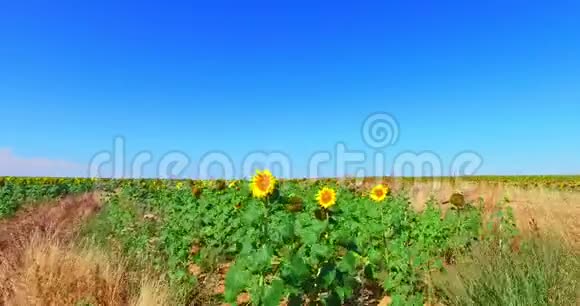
196 191
326 197
179 185
233 184
379 192
220 184
262 183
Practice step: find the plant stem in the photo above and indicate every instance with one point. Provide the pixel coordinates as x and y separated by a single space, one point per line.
266 220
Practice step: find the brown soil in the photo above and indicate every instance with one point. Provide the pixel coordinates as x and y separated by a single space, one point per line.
56 221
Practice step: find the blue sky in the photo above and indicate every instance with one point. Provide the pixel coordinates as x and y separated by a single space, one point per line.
496 78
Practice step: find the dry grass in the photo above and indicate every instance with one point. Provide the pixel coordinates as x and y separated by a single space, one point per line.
47 270
40 266
152 293
50 222
542 272
536 210
57 274
53 274
540 268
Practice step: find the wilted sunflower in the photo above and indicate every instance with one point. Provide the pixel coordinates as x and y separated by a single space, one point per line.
220 185
326 197
295 203
262 183
379 193
196 191
457 199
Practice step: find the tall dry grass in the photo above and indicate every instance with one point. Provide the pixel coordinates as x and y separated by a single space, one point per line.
543 271
542 210
152 292
53 273
541 266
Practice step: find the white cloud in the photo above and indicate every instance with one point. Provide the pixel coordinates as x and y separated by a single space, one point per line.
12 165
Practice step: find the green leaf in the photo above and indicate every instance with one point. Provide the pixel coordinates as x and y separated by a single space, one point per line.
320 250
328 277
252 214
310 230
274 293
236 281
263 258
296 270
344 292
348 263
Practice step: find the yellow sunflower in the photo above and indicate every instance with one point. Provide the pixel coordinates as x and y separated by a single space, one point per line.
262 184
233 184
379 192
326 197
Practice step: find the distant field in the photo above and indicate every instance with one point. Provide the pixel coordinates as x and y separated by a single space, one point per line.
560 182
15 191
292 242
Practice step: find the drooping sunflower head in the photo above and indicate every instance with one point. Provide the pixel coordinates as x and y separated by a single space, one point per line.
220 185
379 193
457 199
196 191
262 183
295 203
326 197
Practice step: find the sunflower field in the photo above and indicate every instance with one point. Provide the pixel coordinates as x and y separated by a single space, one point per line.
266 241
552 182
16 191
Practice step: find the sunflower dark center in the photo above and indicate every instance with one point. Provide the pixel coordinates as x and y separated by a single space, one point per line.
263 182
326 197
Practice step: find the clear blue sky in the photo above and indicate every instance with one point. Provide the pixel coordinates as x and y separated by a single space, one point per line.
501 79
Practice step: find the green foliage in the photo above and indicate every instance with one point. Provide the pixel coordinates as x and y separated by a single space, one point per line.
553 182
278 250
541 272
17 191
287 247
